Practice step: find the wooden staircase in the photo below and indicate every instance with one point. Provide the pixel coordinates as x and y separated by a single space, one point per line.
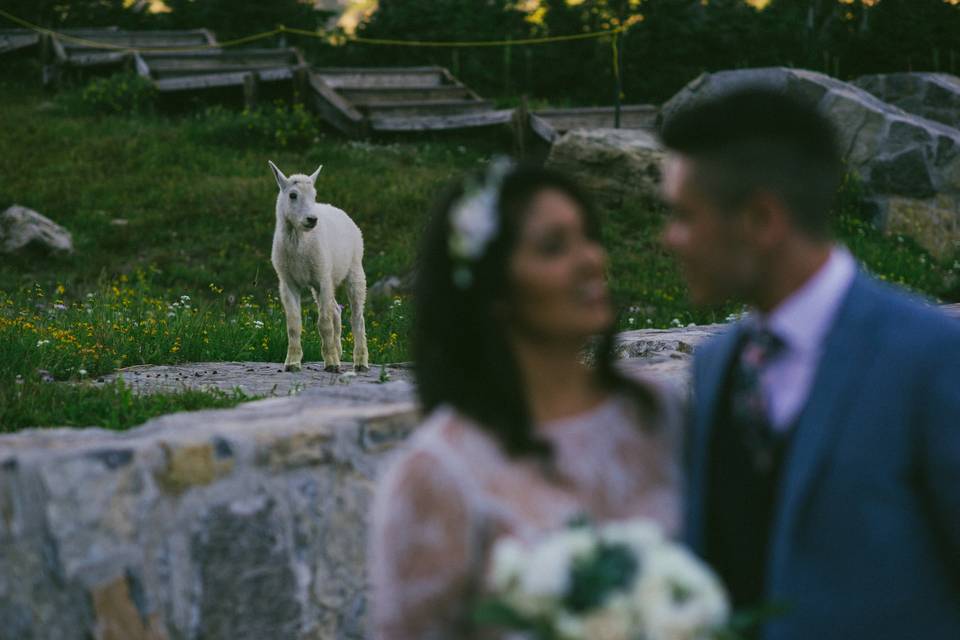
405 98
195 70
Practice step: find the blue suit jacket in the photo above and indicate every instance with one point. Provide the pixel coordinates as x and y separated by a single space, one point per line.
865 540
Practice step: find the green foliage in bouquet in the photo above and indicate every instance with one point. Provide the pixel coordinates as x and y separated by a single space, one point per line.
612 568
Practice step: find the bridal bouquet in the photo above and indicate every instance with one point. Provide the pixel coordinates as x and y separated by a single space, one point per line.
619 581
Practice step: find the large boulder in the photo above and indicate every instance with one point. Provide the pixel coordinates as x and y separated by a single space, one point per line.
21 227
935 96
909 166
613 165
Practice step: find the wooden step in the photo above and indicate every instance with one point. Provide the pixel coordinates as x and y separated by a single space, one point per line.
639 116
175 69
426 108
441 123
362 96
407 77
13 39
209 81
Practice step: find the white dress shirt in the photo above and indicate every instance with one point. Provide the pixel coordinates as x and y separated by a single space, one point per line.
802 321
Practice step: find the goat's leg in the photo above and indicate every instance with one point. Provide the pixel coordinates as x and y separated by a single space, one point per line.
290 299
357 292
337 323
328 319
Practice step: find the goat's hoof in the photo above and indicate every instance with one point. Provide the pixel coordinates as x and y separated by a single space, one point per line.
293 366
361 368
332 368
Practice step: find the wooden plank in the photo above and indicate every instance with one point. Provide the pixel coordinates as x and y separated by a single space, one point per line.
213 69
282 54
631 117
361 96
96 59
382 79
334 109
220 80
142 69
14 42
355 70
543 129
440 123
427 108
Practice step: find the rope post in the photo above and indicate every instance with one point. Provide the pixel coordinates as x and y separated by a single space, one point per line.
618 84
251 87
519 123
301 84
47 60
507 61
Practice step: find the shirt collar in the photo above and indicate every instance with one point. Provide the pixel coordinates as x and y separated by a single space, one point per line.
803 319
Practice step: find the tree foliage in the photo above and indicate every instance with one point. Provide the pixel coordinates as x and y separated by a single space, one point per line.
670 41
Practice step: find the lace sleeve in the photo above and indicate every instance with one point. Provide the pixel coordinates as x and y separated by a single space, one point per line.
421 552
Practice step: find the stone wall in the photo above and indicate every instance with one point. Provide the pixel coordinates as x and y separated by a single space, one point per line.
239 524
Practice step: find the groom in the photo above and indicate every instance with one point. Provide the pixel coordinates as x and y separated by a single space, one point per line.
824 452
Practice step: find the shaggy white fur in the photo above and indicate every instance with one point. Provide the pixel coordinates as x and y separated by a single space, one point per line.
317 247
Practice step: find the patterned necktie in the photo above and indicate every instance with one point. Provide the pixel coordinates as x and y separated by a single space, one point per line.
748 403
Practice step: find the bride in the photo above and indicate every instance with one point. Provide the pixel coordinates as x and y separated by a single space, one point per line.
522 436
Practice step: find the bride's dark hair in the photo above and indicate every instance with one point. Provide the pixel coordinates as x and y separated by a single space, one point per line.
463 357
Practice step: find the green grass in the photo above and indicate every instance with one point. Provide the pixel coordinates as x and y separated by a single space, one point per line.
187 276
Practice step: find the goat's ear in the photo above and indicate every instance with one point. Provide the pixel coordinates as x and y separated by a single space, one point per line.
282 181
313 176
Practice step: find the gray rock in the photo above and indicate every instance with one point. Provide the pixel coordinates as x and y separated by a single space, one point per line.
613 165
934 96
385 287
235 601
252 378
21 227
909 165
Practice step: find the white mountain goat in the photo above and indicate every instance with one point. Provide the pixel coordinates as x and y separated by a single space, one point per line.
318 247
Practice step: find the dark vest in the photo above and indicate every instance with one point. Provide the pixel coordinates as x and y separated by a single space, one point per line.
740 504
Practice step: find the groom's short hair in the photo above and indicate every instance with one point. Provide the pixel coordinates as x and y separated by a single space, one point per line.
757 138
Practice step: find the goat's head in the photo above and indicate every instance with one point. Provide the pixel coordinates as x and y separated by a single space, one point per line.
296 198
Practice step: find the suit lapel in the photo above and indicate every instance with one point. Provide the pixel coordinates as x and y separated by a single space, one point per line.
848 350
709 385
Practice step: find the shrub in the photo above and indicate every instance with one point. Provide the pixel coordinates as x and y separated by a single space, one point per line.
117 94
277 124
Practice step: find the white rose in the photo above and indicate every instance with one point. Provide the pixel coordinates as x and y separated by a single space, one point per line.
546 574
506 564
614 621
678 597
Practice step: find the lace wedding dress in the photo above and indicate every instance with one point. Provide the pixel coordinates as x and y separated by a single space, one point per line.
453 492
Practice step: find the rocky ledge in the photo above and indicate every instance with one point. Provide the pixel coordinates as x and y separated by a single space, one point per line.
246 523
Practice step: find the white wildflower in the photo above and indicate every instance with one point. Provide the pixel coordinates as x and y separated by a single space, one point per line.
41 343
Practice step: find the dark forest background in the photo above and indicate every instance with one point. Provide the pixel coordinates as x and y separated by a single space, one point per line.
670 41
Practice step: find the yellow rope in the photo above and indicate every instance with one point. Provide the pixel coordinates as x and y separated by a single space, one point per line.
314 34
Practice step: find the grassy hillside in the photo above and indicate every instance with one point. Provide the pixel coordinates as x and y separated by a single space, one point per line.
172 218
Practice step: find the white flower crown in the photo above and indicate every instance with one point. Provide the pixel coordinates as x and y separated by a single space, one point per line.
474 221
